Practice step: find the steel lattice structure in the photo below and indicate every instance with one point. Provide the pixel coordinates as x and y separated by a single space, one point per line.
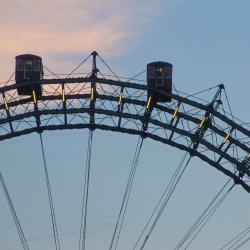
92 102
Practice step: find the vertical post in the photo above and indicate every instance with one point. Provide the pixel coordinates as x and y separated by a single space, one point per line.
37 115
93 91
120 106
147 114
64 104
207 119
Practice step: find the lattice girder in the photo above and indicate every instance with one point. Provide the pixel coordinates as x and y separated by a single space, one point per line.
172 123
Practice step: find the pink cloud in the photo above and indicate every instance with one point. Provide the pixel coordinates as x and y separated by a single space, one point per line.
54 27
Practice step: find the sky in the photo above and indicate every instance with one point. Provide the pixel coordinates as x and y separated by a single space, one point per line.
207 42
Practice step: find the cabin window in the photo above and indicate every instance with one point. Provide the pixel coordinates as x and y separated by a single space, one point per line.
27 69
159 77
159 72
28 64
36 65
151 72
167 72
19 65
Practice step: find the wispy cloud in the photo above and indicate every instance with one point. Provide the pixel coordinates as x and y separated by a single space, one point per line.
51 28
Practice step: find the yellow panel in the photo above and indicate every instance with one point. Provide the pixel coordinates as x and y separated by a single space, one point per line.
149 100
226 138
63 95
5 103
120 98
202 122
176 111
92 94
34 96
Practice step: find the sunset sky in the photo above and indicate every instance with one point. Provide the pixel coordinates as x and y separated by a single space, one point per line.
208 43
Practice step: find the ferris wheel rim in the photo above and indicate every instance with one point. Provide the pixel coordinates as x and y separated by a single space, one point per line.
141 119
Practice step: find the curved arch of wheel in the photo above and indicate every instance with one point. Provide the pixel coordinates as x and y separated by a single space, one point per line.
125 107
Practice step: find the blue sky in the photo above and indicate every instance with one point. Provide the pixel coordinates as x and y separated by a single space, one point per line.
208 44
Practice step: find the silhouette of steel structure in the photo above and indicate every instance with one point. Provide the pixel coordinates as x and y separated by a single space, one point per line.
96 102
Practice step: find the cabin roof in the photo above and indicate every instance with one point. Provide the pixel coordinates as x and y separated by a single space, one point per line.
159 63
28 56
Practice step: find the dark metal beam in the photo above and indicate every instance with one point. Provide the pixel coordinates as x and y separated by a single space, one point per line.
118 112
142 118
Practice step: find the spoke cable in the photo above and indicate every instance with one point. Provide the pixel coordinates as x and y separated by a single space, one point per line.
52 211
164 199
200 219
208 216
242 243
13 213
135 163
126 196
83 228
159 203
237 238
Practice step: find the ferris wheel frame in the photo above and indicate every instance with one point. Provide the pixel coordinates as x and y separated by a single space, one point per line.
16 110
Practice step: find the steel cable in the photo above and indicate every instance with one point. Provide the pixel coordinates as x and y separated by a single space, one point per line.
244 233
109 68
242 243
163 200
83 227
14 215
126 195
166 200
159 202
210 215
78 66
52 211
200 219
135 163
238 238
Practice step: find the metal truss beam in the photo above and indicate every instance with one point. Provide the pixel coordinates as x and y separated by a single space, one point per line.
120 113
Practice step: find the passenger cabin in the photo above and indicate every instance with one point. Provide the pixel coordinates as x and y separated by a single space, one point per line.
28 68
159 75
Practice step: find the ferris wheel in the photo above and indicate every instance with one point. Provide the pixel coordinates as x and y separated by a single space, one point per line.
152 112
